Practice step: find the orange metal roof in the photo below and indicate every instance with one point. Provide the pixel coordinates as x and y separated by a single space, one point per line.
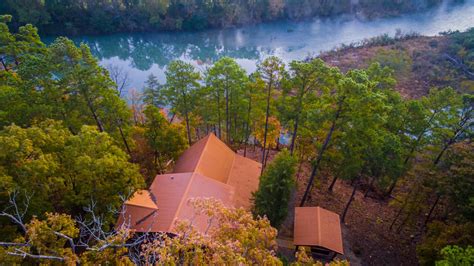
142 198
138 218
207 169
173 192
139 211
315 226
244 177
209 156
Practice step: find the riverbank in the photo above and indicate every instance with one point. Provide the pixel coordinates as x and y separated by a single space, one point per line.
105 17
142 54
419 62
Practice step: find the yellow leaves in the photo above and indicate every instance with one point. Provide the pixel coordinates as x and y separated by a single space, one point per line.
43 235
273 133
234 237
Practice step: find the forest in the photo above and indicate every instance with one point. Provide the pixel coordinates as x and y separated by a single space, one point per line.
72 150
105 16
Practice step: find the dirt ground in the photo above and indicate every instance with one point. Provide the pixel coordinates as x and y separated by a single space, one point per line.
366 234
425 53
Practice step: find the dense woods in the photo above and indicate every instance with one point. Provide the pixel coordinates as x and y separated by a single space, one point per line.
104 16
72 147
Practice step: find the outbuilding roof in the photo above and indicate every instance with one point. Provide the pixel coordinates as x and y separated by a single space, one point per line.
315 226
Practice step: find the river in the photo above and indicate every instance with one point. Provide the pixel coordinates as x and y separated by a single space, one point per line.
140 54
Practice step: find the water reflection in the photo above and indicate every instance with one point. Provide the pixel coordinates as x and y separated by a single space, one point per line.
143 53
144 50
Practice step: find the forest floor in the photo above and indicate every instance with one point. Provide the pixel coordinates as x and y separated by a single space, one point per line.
420 64
366 234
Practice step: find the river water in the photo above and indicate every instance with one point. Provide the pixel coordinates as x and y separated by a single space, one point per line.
140 54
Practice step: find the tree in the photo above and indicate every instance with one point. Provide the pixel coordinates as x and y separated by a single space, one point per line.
273 131
61 82
423 118
227 80
454 255
440 235
272 71
58 238
255 97
167 140
178 92
307 80
274 191
233 236
62 171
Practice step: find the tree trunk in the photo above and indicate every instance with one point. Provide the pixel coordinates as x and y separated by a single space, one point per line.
125 141
186 116
247 129
433 207
370 187
295 127
219 115
293 137
235 128
266 120
300 165
188 130
96 118
400 227
332 183
172 118
412 150
343 217
266 157
227 119
3 64
402 208
321 153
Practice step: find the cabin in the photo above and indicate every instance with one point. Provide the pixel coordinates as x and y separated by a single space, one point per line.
320 230
209 168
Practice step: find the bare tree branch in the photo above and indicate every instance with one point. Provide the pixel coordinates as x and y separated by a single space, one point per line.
120 77
17 216
23 254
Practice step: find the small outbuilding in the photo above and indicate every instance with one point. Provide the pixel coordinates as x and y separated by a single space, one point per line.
320 230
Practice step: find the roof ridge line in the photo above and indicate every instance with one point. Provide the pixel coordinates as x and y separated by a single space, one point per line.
232 166
182 199
142 206
203 149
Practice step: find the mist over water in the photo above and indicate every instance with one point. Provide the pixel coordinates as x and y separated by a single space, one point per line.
141 54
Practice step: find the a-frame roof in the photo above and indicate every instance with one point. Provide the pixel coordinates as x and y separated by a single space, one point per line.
207 169
210 157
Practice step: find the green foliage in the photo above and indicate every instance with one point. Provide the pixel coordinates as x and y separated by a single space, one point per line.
453 178
276 185
61 82
166 140
180 90
306 81
440 235
397 60
456 256
64 172
226 82
100 16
